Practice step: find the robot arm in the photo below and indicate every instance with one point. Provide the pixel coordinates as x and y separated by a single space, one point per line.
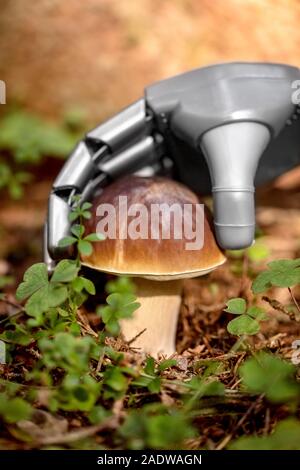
223 126
237 117
122 145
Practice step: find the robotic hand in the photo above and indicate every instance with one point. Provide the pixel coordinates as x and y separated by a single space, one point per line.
210 128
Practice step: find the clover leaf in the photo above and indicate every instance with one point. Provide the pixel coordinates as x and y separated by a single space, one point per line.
281 273
272 376
118 306
43 293
247 322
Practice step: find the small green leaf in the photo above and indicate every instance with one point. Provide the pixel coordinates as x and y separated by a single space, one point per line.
122 285
258 252
286 436
65 271
56 295
77 284
154 385
150 366
67 241
243 325
236 306
16 409
97 414
89 286
86 206
113 327
47 296
262 282
77 230
115 379
85 248
81 394
272 376
62 312
34 278
73 216
281 273
80 283
208 387
284 264
94 237
167 364
6 281
257 313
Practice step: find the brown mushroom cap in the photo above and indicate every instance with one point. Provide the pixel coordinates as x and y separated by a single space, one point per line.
159 259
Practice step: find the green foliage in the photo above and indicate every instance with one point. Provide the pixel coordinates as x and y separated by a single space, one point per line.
65 356
67 352
122 285
258 252
13 180
24 140
269 375
154 427
76 394
98 414
6 280
151 375
116 381
52 303
76 372
286 436
200 387
83 244
120 304
247 322
15 409
281 273
206 387
29 137
44 294
79 212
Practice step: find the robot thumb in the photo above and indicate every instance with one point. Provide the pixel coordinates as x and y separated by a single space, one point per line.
232 152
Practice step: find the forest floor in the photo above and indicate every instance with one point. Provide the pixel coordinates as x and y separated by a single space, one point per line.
202 337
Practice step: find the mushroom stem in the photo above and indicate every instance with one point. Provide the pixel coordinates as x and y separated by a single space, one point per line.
158 314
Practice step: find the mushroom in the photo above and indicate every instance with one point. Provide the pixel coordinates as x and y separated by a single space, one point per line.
139 245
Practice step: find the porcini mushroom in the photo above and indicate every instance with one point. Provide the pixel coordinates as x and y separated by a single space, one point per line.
157 253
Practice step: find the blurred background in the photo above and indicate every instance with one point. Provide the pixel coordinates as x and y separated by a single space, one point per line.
99 54
68 64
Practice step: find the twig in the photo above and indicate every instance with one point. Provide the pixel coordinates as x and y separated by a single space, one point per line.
12 304
100 362
235 384
294 299
228 438
135 337
72 436
279 307
85 324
